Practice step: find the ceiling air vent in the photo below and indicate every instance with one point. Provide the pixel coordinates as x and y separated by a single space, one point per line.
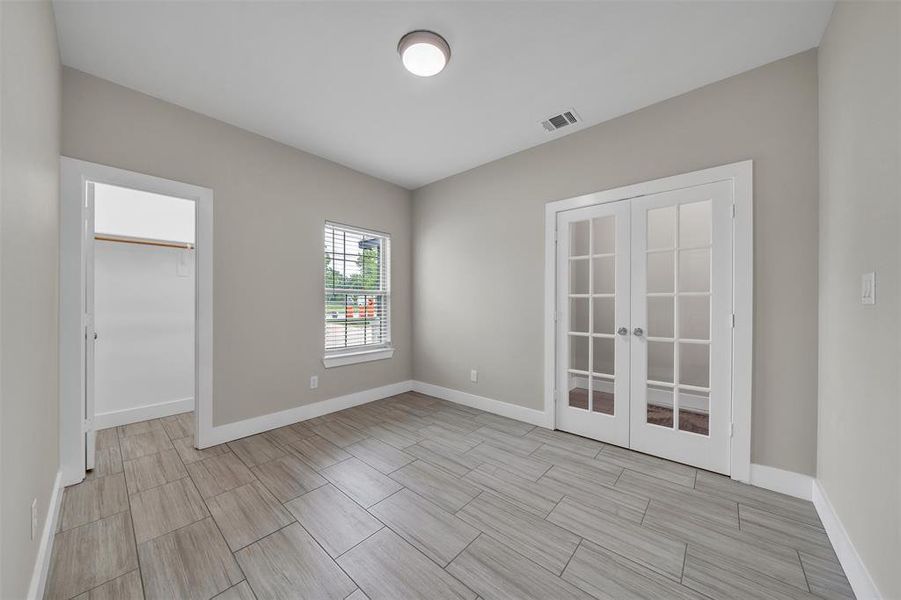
564 119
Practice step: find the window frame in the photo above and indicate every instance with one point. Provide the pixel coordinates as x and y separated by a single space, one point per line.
337 357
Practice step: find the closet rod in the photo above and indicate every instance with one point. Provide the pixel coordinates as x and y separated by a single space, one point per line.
142 241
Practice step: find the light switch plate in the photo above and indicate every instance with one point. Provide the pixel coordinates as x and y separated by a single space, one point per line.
868 288
314 382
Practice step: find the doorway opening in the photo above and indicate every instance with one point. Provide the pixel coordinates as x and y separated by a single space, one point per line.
140 299
135 307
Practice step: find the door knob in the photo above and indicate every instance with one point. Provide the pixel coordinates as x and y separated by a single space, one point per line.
623 331
638 332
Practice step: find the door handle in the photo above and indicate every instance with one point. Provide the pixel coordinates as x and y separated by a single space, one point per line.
638 332
623 331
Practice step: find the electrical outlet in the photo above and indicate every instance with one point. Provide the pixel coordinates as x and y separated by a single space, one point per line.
34 518
314 382
474 376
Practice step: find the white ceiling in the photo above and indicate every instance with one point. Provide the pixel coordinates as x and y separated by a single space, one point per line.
325 76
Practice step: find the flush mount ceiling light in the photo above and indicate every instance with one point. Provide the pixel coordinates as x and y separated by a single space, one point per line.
424 53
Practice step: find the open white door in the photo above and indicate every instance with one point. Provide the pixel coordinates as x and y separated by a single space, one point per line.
90 335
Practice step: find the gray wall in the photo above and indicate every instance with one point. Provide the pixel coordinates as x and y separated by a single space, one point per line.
270 204
490 318
859 454
29 218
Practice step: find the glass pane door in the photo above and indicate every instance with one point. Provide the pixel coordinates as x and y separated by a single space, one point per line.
593 268
681 316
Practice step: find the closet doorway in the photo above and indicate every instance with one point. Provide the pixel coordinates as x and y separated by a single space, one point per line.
140 302
135 305
646 310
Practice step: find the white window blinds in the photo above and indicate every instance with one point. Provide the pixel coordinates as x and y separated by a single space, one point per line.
357 289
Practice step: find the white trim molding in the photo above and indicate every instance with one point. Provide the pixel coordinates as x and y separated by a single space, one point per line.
239 429
352 358
498 407
740 174
142 413
855 570
45 549
784 482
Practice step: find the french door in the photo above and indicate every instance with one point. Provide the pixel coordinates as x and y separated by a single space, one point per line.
644 330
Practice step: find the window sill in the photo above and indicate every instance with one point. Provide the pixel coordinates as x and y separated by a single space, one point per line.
351 358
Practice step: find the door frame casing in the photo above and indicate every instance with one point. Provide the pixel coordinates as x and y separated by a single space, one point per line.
741 176
74 174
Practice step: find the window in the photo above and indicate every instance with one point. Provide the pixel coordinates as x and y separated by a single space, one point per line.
357 295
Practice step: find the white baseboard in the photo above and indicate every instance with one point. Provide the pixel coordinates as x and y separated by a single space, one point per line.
142 413
784 482
240 429
858 576
45 549
504 409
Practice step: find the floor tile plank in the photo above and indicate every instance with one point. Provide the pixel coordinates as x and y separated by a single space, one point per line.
587 468
714 508
826 577
541 541
90 555
648 548
566 441
288 477
247 513
153 470
726 544
608 576
716 578
142 444
178 426
362 483
440 455
334 520
386 568
92 500
219 474
380 455
318 452
524 493
339 434
527 467
522 445
785 531
649 465
603 497
437 485
435 532
288 564
140 427
256 449
241 591
773 502
189 454
124 587
165 508
191 563
495 572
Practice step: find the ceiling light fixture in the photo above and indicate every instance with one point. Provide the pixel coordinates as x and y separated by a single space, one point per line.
424 53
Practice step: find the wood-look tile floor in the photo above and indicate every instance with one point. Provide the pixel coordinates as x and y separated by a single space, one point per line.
414 497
